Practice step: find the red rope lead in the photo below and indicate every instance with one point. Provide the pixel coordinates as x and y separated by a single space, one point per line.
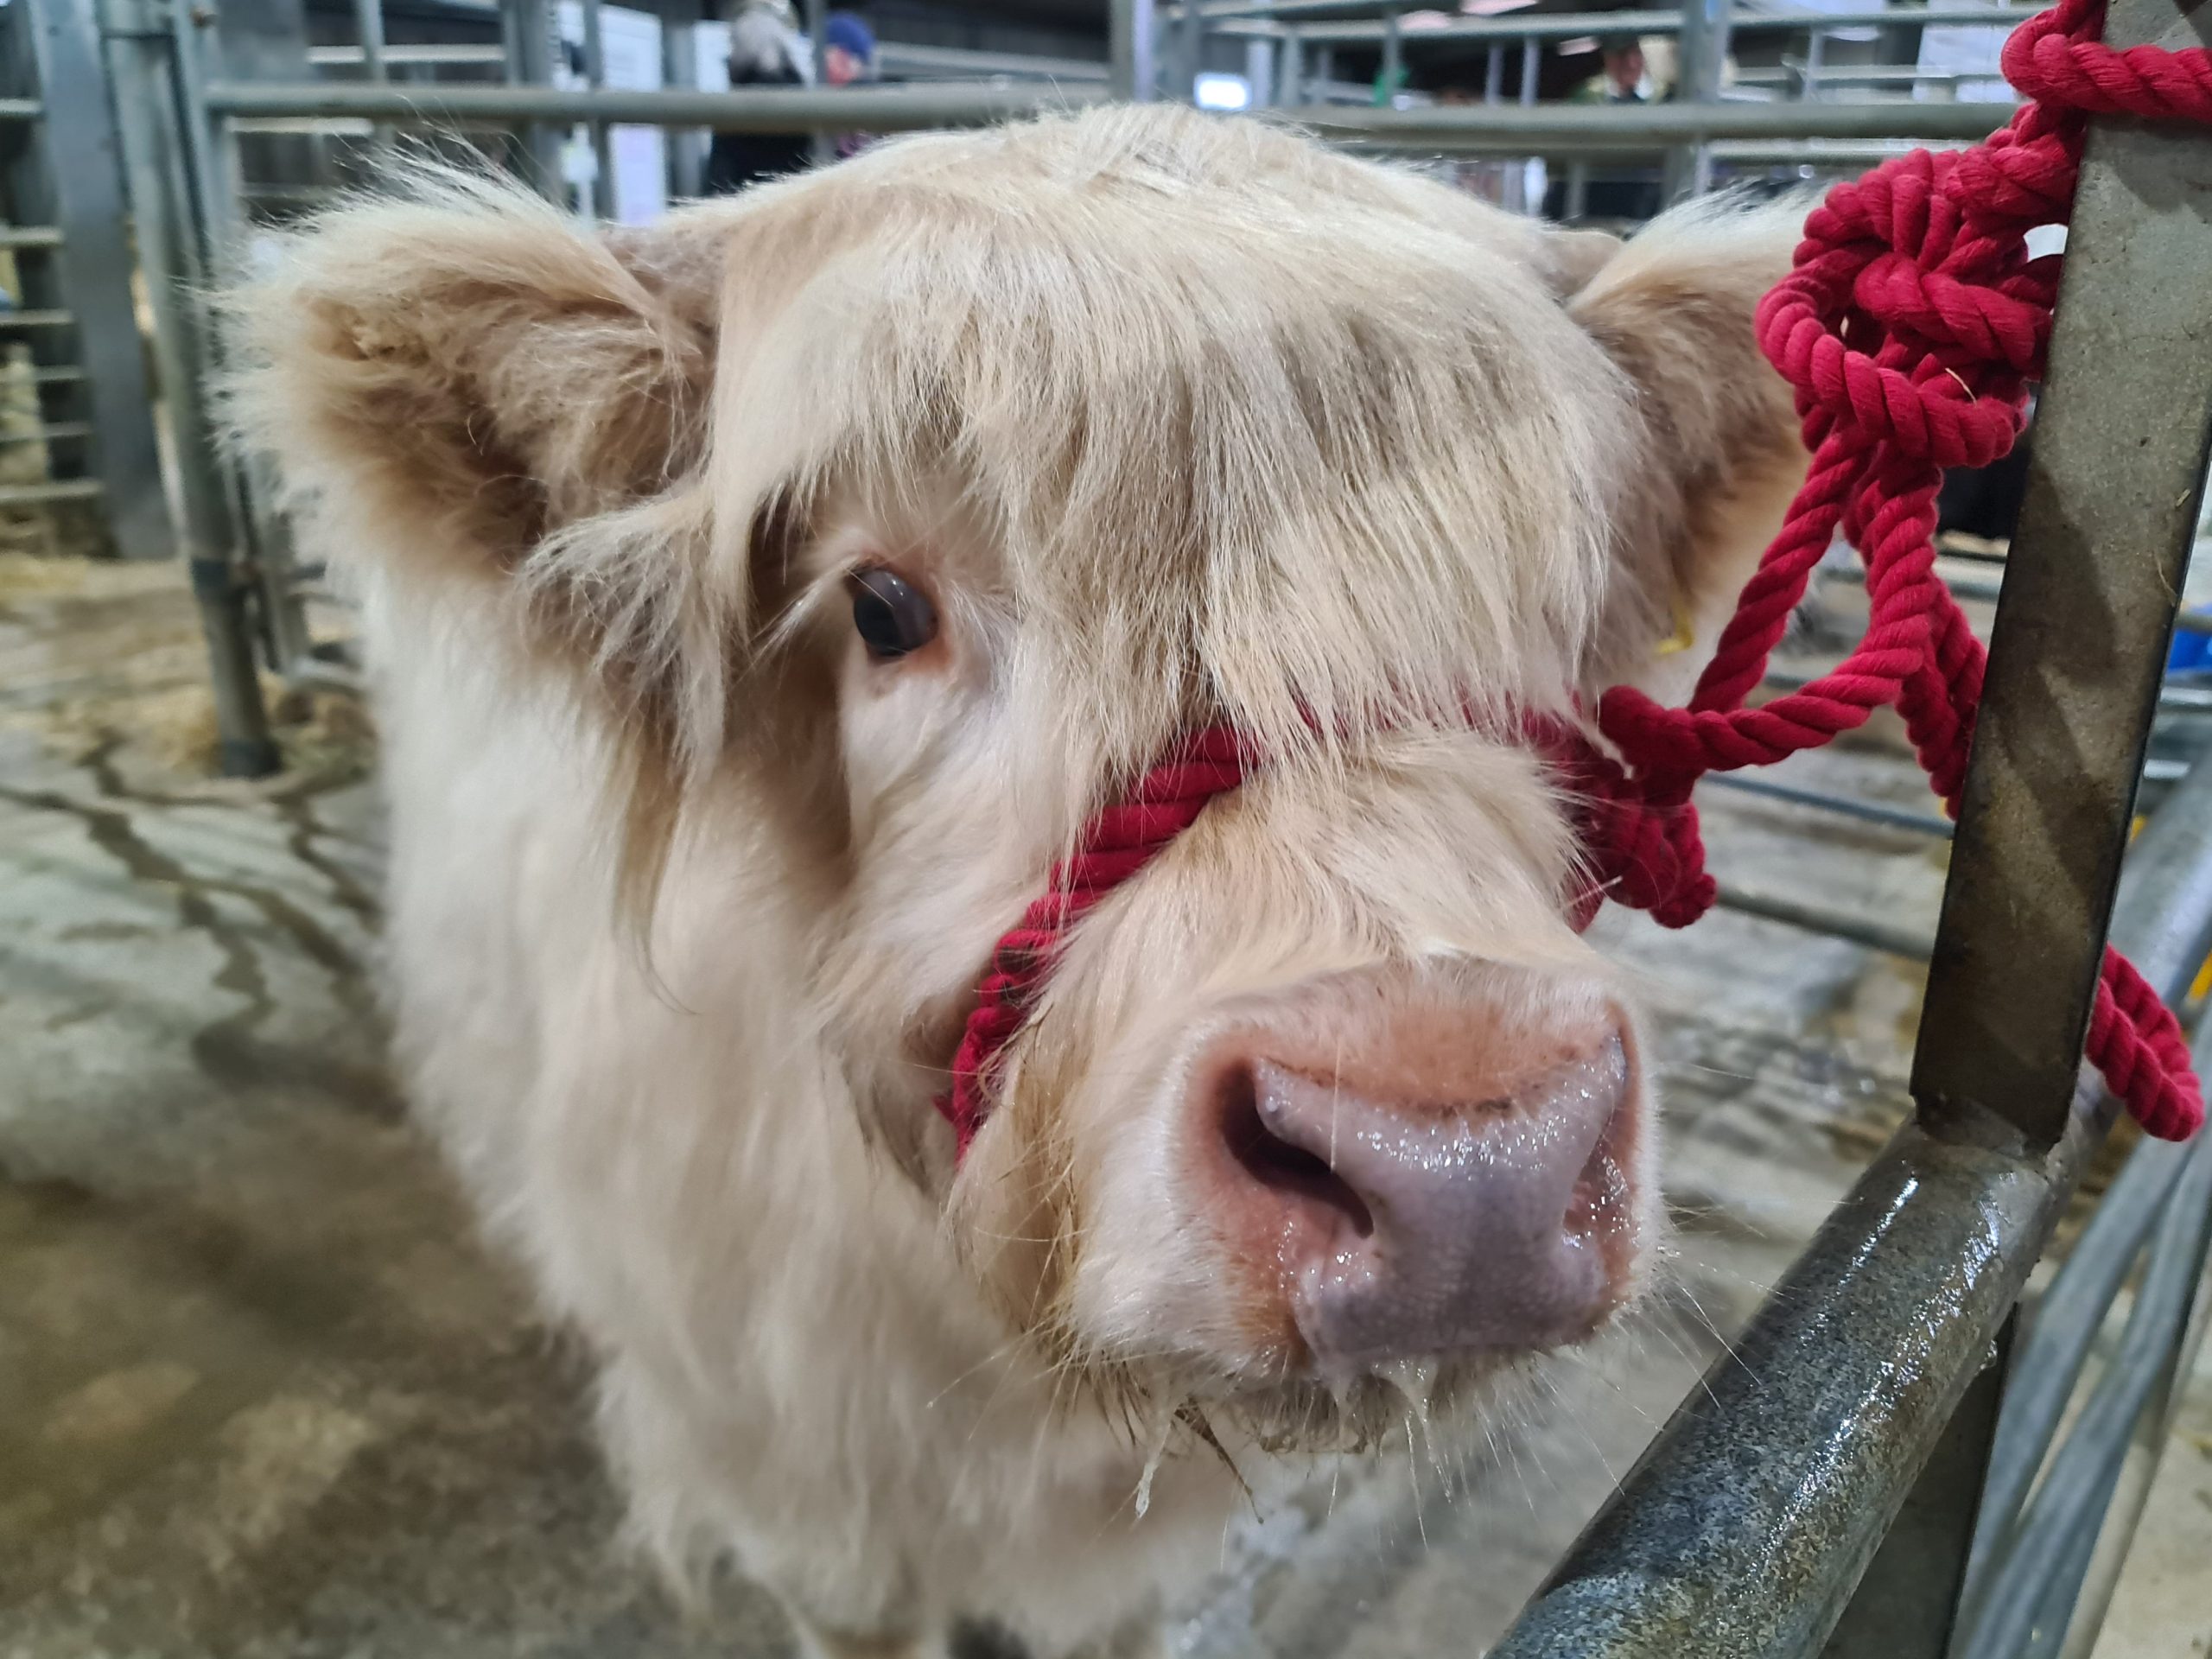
1113 847
1909 325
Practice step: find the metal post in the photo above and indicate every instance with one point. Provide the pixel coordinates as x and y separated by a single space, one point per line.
368 18
2123 437
147 125
534 47
602 152
817 15
1745 1527
69 173
1578 191
1131 26
1704 59
1816 47
1394 56
1290 76
1532 58
2105 533
1190 53
1493 75
1911 1608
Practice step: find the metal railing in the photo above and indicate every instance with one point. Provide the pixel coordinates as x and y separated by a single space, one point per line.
1747 1527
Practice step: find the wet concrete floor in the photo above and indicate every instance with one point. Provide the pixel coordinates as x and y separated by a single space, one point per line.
261 1395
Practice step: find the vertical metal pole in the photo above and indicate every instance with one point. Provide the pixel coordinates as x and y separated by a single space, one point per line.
1260 72
368 17
1532 61
1578 191
149 126
817 14
1704 59
1394 56
1290 78
1189 55
2122 435
602 152
2116 482
1132 40
535 41
1815 49
1493 75
69 170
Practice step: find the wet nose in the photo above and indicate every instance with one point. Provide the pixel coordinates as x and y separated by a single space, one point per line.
1407 1228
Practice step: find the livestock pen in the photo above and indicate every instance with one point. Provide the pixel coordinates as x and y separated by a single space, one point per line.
1892 1456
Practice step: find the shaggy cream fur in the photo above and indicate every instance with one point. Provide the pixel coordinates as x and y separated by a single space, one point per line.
1175 419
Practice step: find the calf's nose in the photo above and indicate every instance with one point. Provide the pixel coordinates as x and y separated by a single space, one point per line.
1405 1228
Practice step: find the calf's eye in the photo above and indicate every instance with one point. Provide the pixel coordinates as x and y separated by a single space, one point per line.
891 615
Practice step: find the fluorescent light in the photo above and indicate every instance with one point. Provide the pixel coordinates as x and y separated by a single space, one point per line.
1219 91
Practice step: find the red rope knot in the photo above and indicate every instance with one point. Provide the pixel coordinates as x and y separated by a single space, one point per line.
1908 326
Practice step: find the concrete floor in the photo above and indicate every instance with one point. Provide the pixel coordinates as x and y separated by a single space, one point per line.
261 1394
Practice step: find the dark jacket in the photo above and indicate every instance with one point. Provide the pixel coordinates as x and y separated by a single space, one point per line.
739 158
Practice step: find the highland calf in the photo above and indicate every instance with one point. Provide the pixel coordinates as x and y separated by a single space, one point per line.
758 604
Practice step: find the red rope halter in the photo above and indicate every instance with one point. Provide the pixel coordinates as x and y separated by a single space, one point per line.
1909 325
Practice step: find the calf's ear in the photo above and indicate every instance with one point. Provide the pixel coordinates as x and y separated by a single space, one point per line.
1716 454
470 371
475 397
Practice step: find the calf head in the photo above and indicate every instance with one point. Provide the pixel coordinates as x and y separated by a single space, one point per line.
893 518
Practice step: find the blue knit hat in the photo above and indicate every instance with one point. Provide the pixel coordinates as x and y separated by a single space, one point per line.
846 32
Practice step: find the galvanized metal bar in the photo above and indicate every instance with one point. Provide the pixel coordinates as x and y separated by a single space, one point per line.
1922 1562
1638 128
1744 1527
903 61
2026 1605
602 153
70 177
1131 40
368 19
1612 25
2123 433
1290 71
1980 589
1704 58
2153 1436
536 41
1889 817
1852 927
1493 75
1394 52
149 128
881 109
449 55
2164 873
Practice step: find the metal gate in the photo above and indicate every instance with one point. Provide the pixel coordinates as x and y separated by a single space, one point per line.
1878 1429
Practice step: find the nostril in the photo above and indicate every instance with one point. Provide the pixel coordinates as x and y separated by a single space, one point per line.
1274 1162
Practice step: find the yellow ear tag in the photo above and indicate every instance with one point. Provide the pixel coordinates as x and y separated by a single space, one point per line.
1682 639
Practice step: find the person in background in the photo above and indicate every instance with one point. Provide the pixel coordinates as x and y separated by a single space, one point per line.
760 54
847 58
1622 80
